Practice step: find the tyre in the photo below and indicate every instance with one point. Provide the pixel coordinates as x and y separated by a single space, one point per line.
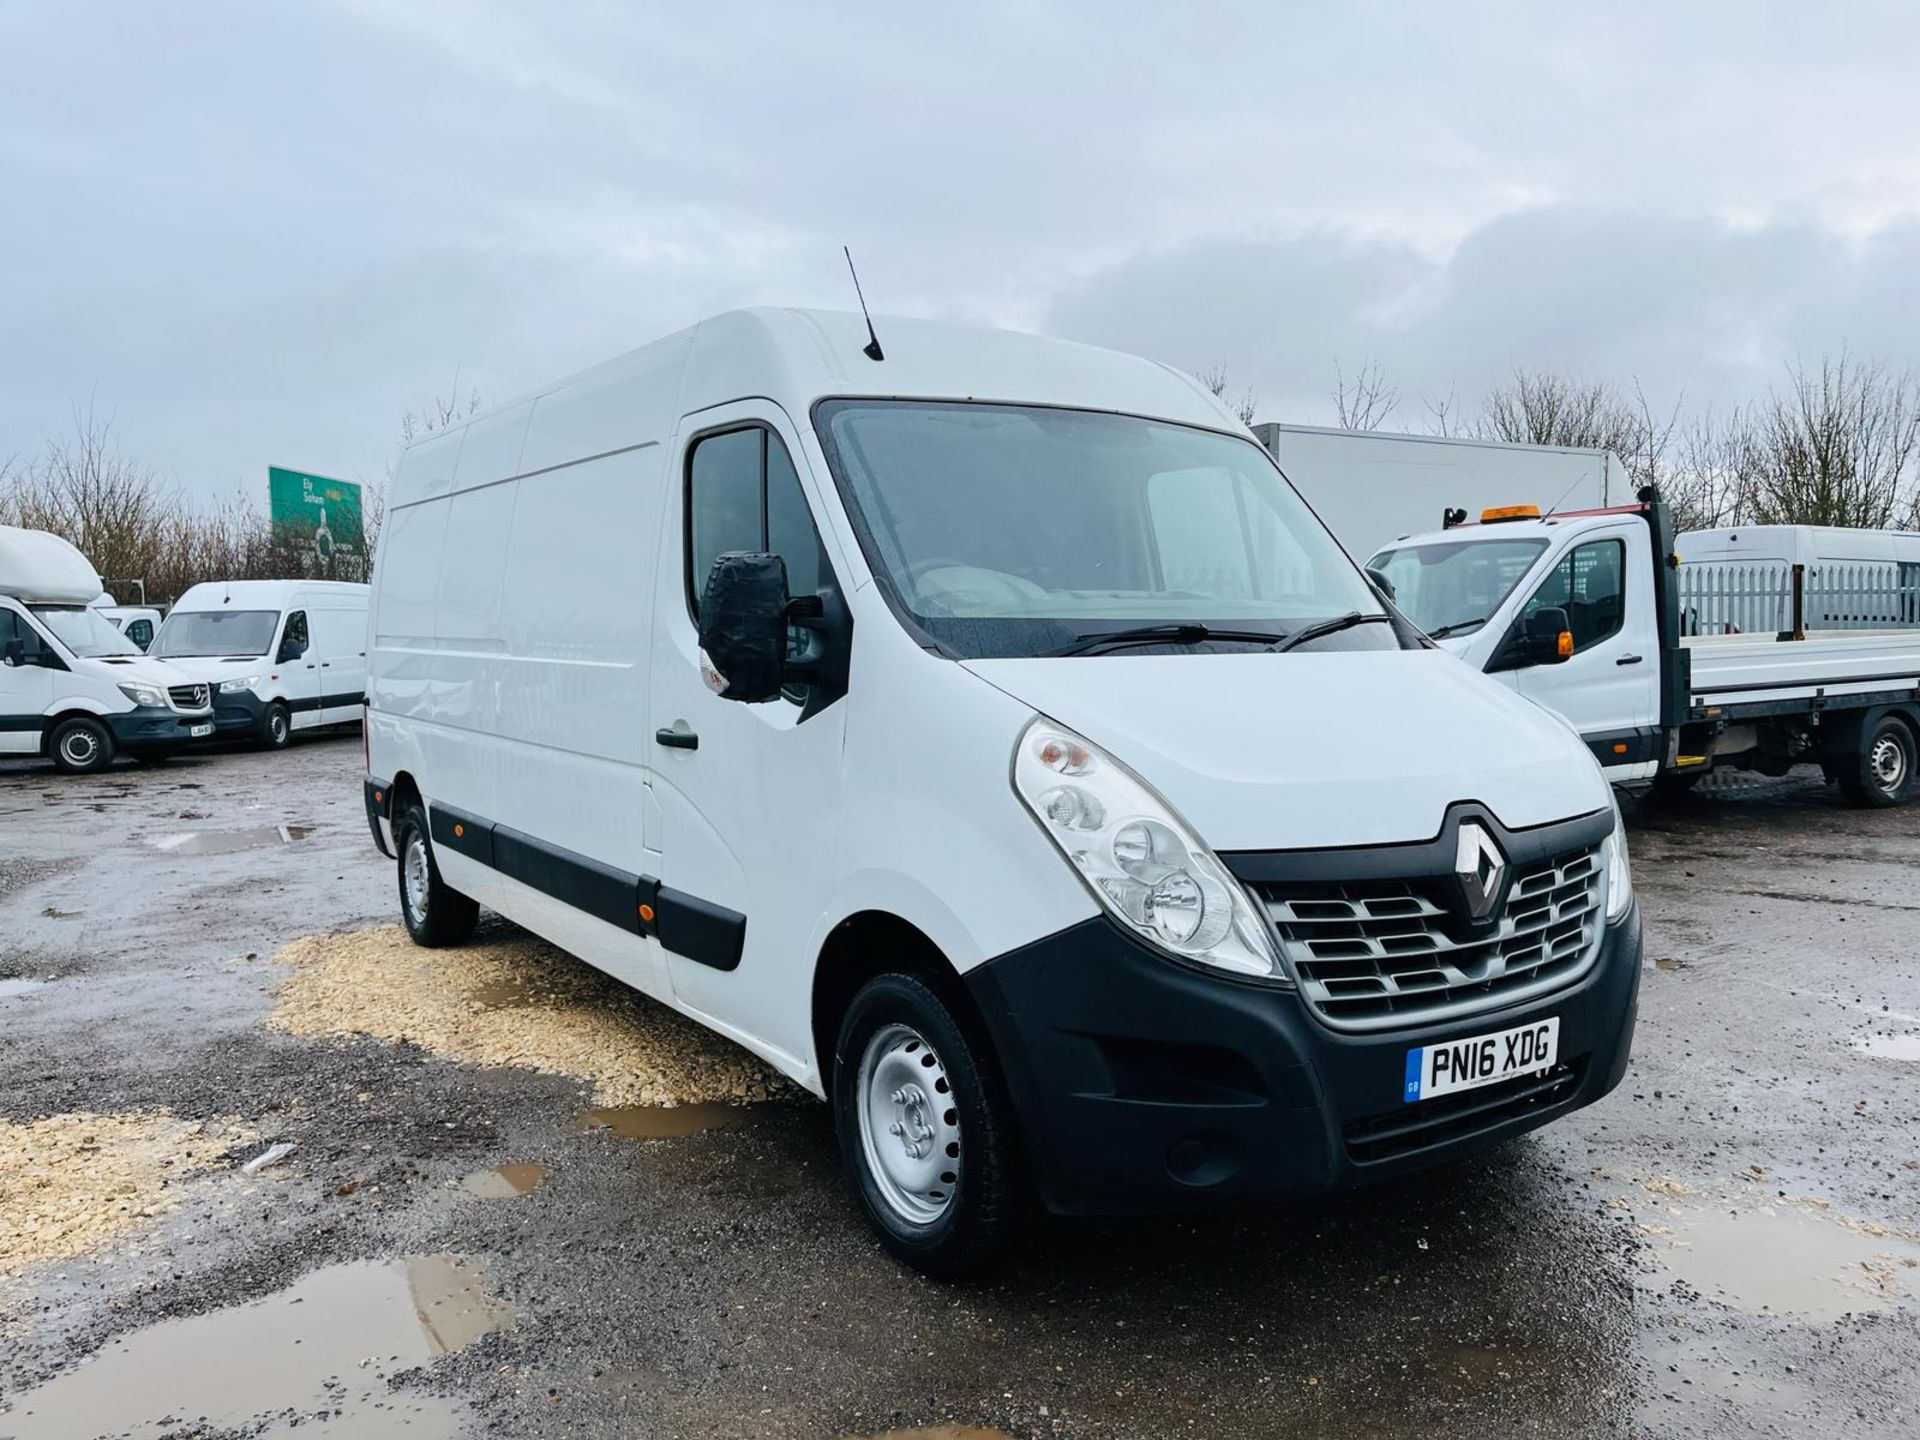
1881 772
276 726
1670 787
435 914
81 746
926 1131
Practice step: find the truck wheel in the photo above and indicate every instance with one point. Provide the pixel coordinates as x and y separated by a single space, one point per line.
276 727
81 746
926 1130
1672 786
434 912
1881 772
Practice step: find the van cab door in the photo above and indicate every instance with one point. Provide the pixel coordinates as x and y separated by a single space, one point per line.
299 668
746 793
26 688
1609 689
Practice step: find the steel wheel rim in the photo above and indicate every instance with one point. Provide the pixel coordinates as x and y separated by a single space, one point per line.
277 725
79 747
1889 762
909 1125
417 878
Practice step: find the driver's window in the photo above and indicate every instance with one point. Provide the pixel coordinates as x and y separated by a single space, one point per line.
293 641
1588 582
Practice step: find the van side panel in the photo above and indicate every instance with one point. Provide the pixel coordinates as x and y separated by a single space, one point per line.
403 620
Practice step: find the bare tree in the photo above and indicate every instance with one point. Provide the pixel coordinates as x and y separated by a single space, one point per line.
1443 413
1541 407
444 411
1368 401
1216 381
1836 448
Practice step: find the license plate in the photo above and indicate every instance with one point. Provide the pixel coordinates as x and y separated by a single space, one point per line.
200 731
1434 1070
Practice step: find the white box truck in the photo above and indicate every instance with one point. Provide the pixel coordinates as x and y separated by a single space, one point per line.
980 729
1373 486
72 687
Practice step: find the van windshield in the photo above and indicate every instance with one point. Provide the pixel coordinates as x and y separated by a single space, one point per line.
1453 587
83 631
1005 530
215 632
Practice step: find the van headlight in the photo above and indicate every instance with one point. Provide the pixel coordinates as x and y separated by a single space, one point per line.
1144 866
1619 871
145 695
234 687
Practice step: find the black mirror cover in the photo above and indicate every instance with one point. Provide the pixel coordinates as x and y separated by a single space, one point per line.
1382 583
15 653
743 625
1545 628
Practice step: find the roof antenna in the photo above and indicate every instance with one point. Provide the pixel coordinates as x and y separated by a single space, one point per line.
872 348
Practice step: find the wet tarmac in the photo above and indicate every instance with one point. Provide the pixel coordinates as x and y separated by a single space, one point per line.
1729 1245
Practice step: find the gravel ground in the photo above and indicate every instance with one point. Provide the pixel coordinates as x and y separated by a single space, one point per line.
466 1239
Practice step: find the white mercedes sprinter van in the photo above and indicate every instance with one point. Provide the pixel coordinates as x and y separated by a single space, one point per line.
72 687
281 655
979 728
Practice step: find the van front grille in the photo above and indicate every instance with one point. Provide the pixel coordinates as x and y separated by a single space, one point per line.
1375 955
189 697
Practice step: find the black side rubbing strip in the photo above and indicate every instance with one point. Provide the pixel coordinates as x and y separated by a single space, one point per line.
602 891
700 930
460 832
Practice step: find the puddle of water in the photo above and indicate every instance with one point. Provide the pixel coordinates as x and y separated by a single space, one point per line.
503 1182
329 1342
13 989
1781 1260
227 842
1668 963
659 1122
1889 1047
509 994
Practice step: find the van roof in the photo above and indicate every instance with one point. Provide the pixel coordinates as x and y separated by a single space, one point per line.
267 594
793 357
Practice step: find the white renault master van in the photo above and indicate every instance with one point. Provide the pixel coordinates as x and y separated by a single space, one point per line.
281 655
980 729
72 687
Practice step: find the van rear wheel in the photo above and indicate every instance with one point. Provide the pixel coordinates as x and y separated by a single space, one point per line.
81 746
1881 772
434 913
926 1130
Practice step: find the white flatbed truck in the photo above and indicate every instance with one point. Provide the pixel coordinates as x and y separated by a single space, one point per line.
1582 612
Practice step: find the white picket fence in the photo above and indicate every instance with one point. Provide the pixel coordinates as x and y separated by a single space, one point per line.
1758 599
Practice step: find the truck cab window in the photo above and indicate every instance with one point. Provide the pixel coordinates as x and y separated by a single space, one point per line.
1589 583
743 494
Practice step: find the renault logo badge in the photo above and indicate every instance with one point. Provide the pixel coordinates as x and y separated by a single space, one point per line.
1481 868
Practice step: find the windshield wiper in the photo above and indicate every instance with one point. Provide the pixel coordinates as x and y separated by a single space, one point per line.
1192 634
1456 627
1329 627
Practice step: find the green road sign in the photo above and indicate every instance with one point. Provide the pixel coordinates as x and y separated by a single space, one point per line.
311 512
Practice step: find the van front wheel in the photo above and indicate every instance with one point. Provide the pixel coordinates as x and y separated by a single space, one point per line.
926 1130
435 914
81 746
276 727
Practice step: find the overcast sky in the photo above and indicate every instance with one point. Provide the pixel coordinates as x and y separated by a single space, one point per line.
258 233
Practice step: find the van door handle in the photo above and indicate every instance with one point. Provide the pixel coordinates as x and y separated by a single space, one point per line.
677 739
1629 660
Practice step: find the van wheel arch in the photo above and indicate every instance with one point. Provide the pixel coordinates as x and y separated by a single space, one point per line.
872 943
52 725
402 791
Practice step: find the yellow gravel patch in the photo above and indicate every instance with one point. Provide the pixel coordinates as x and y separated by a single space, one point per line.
520 1002
71 1183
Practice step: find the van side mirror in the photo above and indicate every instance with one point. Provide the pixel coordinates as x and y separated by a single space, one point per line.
743 626
1549 638
1544 638
292 647
15 653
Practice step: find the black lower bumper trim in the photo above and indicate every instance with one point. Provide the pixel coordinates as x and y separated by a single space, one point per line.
153 729
1142 1085
378 797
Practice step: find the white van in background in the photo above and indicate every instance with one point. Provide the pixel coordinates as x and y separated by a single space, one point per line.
71 686
981 730
281 655
139 623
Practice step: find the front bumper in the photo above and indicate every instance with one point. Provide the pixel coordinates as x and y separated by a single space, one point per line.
240 712
1142 1085
152 729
